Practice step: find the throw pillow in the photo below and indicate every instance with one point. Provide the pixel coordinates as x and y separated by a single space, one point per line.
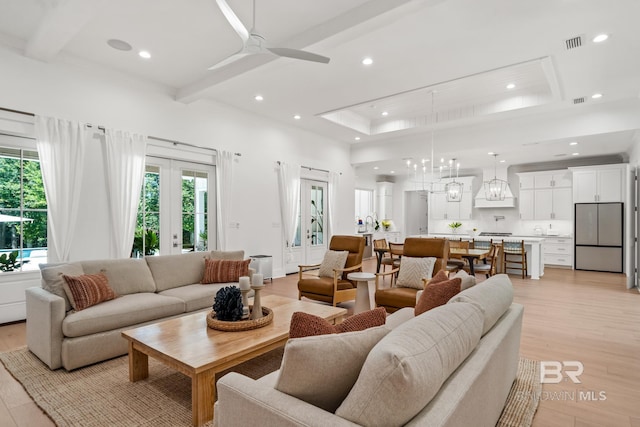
440 276
413 270
333 260
407 368
321 370
467 280
53 282
224 271
87 290
437 294
305 324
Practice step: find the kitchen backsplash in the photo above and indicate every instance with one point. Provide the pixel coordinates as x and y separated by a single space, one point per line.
485 220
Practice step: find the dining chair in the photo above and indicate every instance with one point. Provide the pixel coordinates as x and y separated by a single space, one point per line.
456 262
386 257
489 269
395 251
514 256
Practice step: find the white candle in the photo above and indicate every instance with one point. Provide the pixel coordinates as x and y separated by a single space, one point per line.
244 283
258 279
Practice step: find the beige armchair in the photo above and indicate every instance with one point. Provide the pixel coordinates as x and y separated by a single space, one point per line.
334 289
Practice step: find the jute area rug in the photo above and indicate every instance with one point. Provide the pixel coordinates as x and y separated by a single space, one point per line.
102 395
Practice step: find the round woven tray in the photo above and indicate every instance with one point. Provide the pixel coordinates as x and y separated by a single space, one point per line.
240 325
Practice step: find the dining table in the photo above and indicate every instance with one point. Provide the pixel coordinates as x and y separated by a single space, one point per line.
471 255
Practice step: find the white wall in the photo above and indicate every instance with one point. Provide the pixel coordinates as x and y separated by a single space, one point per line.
89 94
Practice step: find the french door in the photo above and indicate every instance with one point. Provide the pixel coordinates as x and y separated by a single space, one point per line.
178 205
312 235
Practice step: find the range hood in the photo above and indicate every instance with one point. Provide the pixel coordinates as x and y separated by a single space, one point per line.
480 199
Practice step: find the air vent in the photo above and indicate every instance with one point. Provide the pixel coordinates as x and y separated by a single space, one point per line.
573 42
578 100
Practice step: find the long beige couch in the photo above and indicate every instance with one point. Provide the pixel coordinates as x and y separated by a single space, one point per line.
451 366
148 290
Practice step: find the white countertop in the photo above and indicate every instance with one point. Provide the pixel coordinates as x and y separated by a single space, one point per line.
527 239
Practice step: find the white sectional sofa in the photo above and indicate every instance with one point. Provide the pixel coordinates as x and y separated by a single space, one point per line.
148 291
451 366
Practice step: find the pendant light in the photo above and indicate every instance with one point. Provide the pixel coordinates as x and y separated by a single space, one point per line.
495 189
454 188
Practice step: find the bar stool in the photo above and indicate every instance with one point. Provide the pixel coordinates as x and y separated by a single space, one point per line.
514 256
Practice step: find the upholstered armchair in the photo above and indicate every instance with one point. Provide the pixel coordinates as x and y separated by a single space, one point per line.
395 298
337 288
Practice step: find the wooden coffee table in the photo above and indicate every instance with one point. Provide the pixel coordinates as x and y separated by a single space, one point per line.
187 345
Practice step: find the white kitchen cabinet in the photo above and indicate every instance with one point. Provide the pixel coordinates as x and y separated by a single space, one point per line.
549 198
440 208
552 179
598 184
526 181
526 205
558 251
384 199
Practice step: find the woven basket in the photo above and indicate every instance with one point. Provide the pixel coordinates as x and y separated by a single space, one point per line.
240 325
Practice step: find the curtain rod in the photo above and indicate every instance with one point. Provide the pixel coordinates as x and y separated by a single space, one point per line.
188 145
17 112
102 128
310 168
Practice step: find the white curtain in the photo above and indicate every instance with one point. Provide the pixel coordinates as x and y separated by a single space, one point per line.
224 173
289 190
61 148
334 180
124 166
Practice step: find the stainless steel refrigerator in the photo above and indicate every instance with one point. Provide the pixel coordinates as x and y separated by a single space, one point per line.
599 237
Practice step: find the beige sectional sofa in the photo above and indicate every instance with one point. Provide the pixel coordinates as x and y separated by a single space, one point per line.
148 290
451 366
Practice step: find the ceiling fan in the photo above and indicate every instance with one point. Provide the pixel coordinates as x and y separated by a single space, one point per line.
254 43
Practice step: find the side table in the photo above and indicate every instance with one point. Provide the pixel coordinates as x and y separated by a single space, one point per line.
365 293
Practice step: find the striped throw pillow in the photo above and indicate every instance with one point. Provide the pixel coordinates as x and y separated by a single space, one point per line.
87 290
224 271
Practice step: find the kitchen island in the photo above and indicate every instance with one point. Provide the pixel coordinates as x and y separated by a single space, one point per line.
532 245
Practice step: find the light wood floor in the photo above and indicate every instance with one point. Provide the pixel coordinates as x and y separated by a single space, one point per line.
569 315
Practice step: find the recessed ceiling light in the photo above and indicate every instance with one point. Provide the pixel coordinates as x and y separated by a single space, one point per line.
119 44
600 38
502 161
297 117
596 95
511 86
357 138
375 168
144 54
392 172
258 98
490 153
385 113
367 61
573 143
575 154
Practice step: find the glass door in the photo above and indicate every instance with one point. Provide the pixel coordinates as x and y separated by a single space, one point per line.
311 241
176 213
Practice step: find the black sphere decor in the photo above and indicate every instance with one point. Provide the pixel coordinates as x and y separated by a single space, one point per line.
228 304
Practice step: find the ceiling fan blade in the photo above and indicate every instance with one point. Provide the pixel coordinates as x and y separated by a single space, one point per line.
233 58
298 54
233 19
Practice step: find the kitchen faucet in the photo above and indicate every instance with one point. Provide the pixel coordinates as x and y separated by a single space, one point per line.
366 221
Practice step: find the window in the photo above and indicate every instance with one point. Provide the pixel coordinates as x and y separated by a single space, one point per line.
146 240
23 211
364 203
